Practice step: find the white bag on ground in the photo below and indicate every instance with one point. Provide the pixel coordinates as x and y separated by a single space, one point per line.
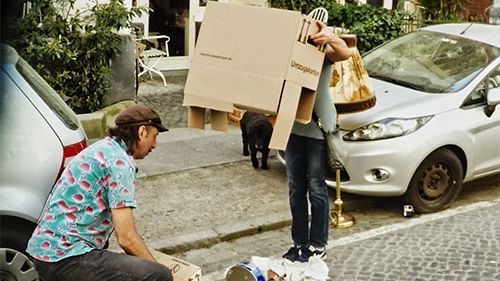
314 270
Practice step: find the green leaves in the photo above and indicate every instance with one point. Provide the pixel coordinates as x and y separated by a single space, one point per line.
372 25
74 53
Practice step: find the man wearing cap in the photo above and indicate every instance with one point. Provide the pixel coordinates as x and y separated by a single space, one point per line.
94 197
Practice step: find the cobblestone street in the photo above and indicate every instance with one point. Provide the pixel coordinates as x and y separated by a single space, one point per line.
456 244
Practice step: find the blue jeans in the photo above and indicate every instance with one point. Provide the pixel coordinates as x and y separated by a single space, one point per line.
305 167
104 266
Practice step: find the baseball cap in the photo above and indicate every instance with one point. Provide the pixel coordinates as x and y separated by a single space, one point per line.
139 114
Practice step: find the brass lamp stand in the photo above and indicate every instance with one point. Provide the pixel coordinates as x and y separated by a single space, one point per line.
337 218
346 101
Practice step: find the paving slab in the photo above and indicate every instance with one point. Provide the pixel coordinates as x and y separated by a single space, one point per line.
184 148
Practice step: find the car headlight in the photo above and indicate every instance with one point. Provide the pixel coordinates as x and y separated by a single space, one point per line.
387 128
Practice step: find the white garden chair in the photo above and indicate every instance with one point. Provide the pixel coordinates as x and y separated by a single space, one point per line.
149 57
319 14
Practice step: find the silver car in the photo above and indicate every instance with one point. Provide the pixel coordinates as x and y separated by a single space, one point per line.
436 123
39 134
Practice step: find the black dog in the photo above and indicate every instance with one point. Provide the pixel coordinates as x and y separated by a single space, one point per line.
256 131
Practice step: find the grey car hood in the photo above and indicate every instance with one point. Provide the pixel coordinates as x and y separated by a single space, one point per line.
395 101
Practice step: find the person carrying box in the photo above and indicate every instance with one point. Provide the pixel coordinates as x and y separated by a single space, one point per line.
305 158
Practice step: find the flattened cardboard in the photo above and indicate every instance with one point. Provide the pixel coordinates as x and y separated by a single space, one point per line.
207 103
306 106
246 38
219 120
233 86
196 118
254 58
301 69
285 117
197 108
181 270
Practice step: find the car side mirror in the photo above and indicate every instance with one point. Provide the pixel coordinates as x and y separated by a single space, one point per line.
492 99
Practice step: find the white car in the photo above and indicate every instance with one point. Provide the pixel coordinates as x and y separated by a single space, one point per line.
39 134
436 123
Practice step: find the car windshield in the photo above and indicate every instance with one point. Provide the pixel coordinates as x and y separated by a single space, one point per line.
430 61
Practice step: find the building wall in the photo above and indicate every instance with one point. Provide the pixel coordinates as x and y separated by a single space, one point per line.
474 9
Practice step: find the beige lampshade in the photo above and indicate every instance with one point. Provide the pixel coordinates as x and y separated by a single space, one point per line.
350 87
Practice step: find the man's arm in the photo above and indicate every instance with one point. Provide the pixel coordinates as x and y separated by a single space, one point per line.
126 235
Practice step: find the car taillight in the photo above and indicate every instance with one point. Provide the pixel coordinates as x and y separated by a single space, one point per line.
69 152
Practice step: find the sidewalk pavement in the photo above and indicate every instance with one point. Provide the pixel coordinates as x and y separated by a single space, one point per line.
193 148
198 194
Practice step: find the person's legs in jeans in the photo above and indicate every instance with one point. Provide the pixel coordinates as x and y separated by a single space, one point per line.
318 192
103 265
295 158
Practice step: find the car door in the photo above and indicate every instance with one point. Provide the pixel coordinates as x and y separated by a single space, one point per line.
487 156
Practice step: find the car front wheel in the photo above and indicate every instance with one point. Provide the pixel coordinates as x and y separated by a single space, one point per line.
436 182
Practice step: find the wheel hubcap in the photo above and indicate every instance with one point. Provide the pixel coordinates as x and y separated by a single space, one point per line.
15 266
435 181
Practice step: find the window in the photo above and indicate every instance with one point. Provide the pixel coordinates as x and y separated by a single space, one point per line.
430 61
49 95
376 3
478 96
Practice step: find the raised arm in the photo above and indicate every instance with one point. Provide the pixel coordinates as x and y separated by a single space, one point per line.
336 48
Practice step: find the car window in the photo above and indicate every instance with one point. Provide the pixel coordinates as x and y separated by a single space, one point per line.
478 96
49 95
494 79
430 61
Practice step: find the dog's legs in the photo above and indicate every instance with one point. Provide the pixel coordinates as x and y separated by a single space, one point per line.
265 155
244 136
253 155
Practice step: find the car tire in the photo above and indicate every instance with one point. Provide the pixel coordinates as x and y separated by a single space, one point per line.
436 183
14 262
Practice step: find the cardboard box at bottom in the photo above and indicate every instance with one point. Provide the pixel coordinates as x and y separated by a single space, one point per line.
181 270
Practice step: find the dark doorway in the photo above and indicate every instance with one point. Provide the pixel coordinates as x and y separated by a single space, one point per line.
12 11
170 17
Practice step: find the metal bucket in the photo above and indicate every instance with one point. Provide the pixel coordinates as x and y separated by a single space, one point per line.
244 271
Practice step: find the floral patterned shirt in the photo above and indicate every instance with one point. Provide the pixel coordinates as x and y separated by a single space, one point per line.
77 216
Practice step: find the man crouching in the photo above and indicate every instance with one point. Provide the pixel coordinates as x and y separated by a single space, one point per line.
93 197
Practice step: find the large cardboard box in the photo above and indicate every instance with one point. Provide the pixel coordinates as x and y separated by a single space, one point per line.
254 58
181 270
